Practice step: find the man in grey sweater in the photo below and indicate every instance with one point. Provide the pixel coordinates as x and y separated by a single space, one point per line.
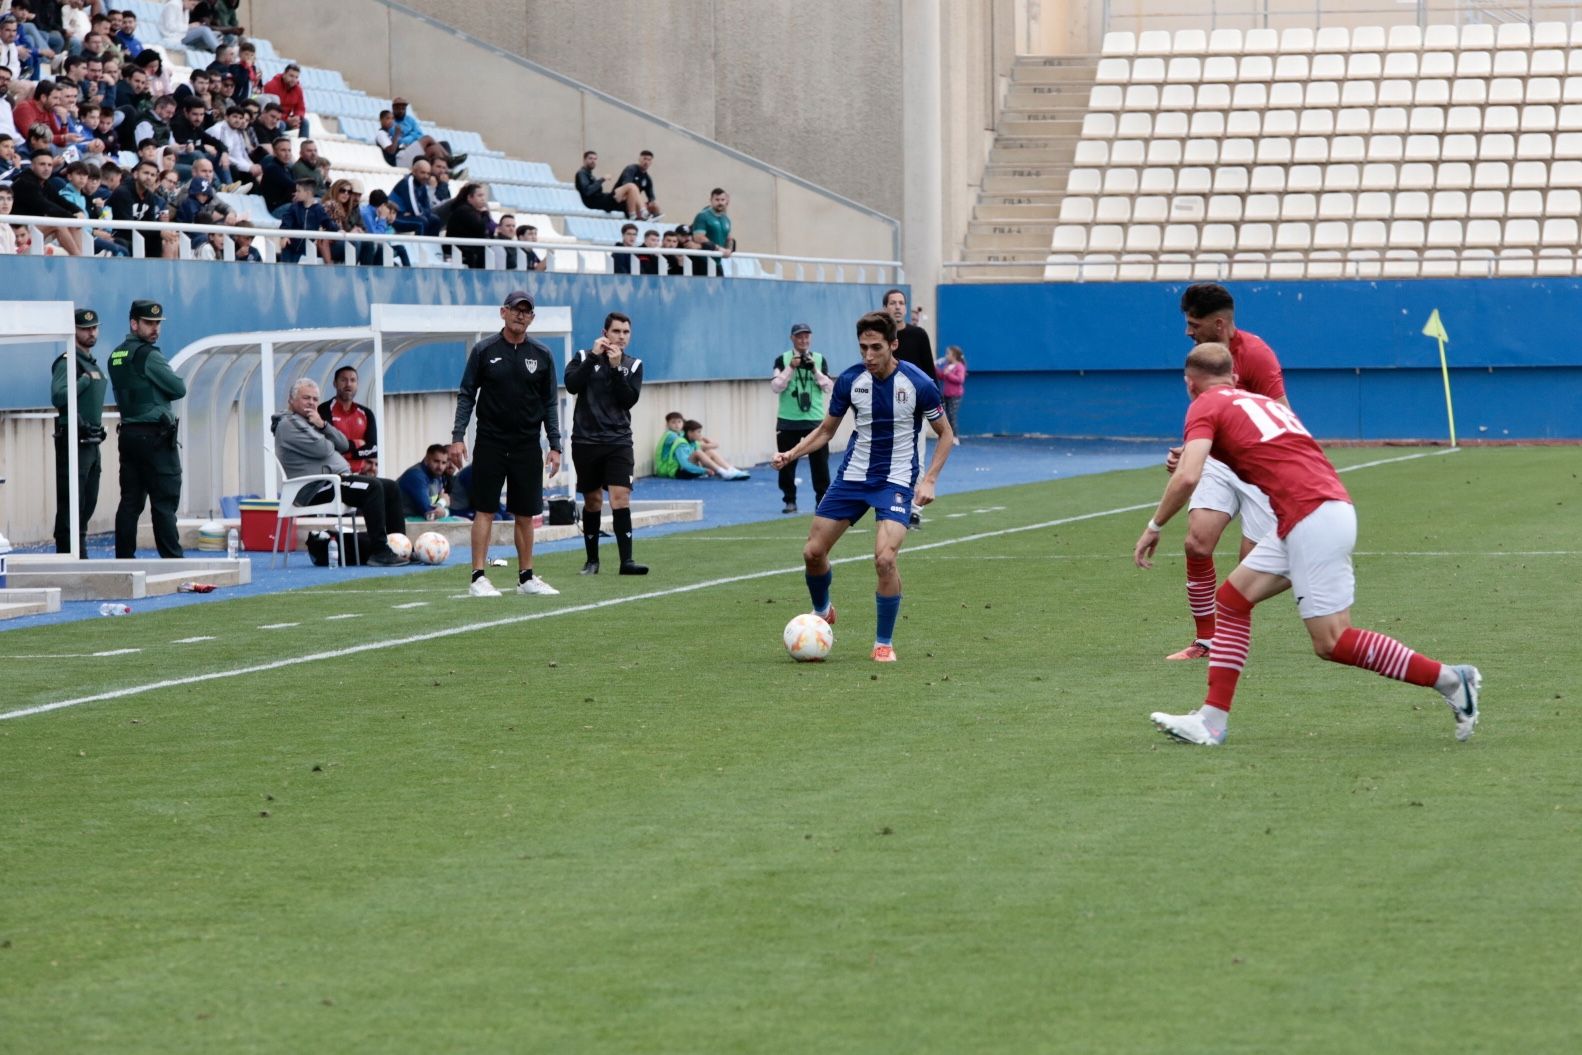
307 445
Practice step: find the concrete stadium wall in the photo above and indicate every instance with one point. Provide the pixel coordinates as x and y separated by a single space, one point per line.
1104 359
535 107
706 344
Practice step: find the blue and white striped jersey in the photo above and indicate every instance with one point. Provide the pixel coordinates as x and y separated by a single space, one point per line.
884 449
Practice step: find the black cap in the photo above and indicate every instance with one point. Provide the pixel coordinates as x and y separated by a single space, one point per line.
800 327
148 310
86 317
517 297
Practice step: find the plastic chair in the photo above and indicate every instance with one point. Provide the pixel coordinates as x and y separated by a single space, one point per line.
290 490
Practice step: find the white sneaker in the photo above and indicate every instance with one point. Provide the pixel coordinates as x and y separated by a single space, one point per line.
538 586
1188 728
482 588
1464 700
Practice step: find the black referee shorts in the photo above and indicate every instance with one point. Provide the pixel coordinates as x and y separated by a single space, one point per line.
520 469
601 465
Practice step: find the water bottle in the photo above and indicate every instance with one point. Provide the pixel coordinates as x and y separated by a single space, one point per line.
233 542
115 609
335 553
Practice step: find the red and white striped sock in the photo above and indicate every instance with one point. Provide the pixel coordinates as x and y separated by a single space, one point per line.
1384 655
1201 581
1232 641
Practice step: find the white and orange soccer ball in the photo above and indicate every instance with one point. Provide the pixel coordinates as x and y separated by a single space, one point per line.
431 548
400 545
808 638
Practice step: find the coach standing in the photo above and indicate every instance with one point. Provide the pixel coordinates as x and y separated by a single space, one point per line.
145 386
91 384
607 383
510 380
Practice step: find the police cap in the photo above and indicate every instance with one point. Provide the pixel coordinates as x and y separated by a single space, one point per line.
86 317
148 310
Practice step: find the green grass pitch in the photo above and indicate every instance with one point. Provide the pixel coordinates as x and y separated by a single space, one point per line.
640 827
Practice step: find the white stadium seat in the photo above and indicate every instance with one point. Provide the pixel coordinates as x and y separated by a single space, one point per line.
1189 42
1122 44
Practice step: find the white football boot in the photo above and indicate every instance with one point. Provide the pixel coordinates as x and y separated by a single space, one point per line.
1188 728
538 586
482 588
1464 700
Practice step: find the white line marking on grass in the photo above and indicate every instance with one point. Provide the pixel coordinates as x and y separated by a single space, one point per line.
278 626
528 617
345 615
193 640
411 604
80 655
1402 458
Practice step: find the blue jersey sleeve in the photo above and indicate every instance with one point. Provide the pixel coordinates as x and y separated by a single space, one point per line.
840 398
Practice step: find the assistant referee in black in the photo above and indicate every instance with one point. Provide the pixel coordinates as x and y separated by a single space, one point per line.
510 380
607 383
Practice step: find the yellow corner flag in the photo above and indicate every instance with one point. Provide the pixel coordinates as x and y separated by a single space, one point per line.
1435 328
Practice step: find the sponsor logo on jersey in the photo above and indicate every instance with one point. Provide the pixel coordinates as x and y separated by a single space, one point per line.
898 509
860 391
496 359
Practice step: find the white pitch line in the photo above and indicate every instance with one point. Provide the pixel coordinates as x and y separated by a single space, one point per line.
80 655
344 615
193 640
278 626
1402 458
452 631
411 604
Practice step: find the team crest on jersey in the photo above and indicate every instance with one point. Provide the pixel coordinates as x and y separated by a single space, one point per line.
532 366
900 396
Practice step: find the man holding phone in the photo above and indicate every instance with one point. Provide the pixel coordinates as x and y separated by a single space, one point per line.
801 380
607 383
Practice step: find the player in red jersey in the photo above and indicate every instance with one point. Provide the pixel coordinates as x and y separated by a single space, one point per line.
1310 550
1211 317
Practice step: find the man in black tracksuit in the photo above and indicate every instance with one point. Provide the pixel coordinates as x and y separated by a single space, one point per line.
607 383
510 379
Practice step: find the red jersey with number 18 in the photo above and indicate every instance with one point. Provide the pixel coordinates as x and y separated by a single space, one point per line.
1263 443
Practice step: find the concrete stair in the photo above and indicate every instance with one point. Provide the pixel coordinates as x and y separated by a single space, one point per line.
1013 222
17 603
100 580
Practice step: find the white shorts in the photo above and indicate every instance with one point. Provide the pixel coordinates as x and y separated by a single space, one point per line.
1224 491
1316 557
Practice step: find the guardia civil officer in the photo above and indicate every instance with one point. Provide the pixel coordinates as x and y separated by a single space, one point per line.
91 384
145 386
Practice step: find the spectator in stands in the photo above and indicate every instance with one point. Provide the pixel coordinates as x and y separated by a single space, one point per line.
425 487
377 218
622 262
469 218
7 114
170 245
674 265
286 87
596 192
74 69
696 456
35 197
95 86
198 84
10 163
411 134
952 383
187 135
310 165
250 82
200 194
109 182
307 445
105 131
98 139
267 126
38 142
225 65
533 260
637 174
244 243
28 35
15 55
100 41
715 223
648 263
155 124
48 21
75 24
387 139
913 345
274 181
126 36
697 240
132 96
414 201
8 245
306 214
169 191
355 422
33 105
159 82
338 204
230 133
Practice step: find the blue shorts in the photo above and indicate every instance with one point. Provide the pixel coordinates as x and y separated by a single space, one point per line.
846 500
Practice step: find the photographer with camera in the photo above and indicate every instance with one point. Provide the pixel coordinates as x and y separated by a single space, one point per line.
801 379
91 384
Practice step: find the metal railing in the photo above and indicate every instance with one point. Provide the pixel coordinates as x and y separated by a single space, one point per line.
1291 265
563 257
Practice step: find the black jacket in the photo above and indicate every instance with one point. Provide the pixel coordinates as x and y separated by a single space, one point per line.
125 204
913 346
605 397
513 389
33 197
370 446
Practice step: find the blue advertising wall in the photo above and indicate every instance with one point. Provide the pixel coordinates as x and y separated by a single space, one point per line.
1105 358
684 329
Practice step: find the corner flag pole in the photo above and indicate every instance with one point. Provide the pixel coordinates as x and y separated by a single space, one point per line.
1436 329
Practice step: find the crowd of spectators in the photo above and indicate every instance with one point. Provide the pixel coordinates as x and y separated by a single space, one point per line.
93 126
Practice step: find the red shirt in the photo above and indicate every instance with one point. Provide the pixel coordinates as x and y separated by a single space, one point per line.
353 424
1263 443
292 102
1257 370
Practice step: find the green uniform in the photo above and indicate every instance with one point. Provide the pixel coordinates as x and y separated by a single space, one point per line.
665 462
145 386
91 385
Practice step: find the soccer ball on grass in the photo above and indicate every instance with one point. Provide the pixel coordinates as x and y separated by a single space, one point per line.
431 548
400 545
808 638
